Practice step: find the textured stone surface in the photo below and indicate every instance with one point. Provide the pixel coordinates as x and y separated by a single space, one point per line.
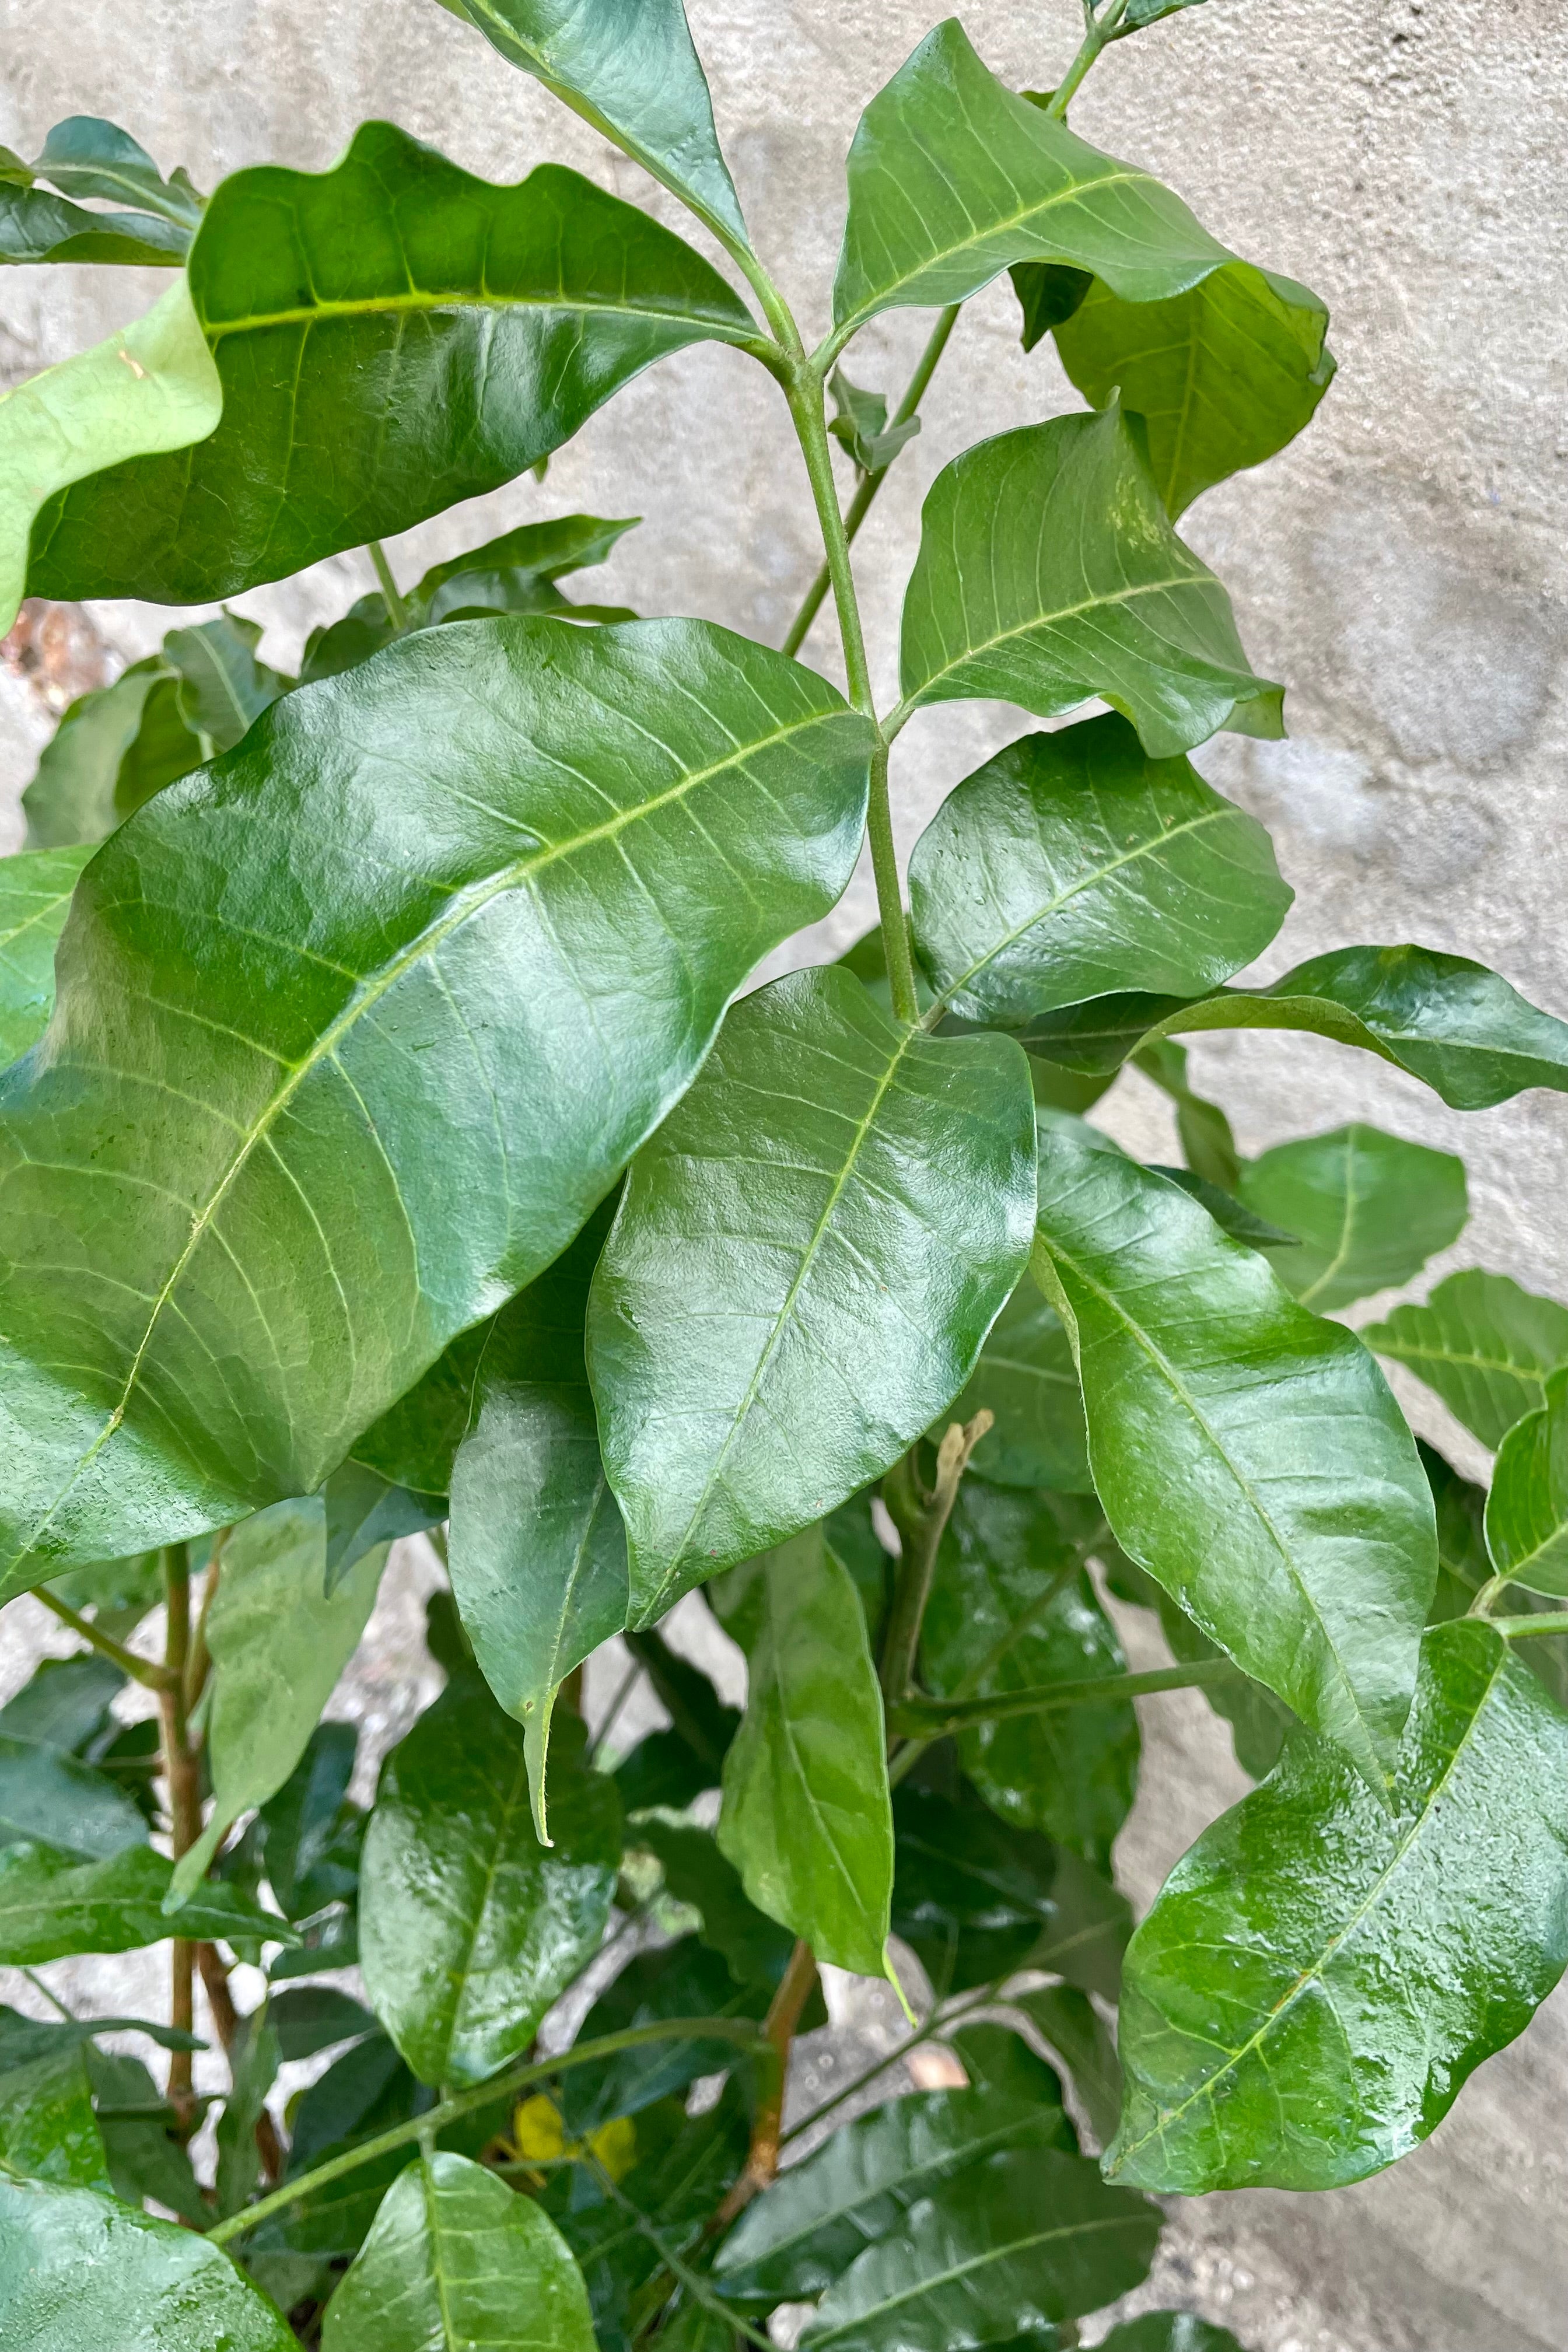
1401 569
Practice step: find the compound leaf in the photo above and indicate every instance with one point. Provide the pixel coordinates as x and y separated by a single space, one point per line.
1318 1976
391 336
1048 572
1247 1455
1072 865
314 1140
833 1275
1368 1211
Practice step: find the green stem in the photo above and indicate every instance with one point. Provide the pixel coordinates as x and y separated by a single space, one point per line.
1486 1599
396 604
1095 38
921 1519
142 1670
935 1718
944 2019
695 2285
861 504
1520 1629
450 2111
806 406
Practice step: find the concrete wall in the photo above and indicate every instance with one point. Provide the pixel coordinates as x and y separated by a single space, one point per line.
1402 568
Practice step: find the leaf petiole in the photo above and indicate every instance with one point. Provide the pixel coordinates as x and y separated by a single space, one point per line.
934 1718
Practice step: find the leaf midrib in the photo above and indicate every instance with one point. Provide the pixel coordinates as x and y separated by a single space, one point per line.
1335 1943
934 2280
975 649
417 300
465 904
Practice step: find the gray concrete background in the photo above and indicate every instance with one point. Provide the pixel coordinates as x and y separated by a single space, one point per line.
1402 568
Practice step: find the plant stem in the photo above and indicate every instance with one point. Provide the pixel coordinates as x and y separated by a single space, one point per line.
943 2016
1488 1595
199 1663
1095 38
396 605
921 1518
805 394
612 1713
1520 1629
450 2111
226 2024
861 504
183 1785
695 2285
934 1718
142 1670
767 2127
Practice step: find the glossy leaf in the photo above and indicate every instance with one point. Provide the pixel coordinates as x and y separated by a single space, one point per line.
76 2268
1026 1380
685 1978
47 2128
64 1703
628 68
1318 1976
977 1900
861 426
71 798
835 1276
34 892
224 689
805 1817
1203 1130
85 156
1068 2021
1369 1211
1259 1723
55 1800
499 1024
365 1511
1072 865
1223 375
301 1819
37 228
1007 2249
150 386
279 1643
366 2091
1450 1022
1048 572
1465 1566
794 2242
468 1926
458 2262
1483 1344
952 176
391 336
1011 1609
536 1550
1527 1509
755 1948
52 1906
311 2017
1247 1455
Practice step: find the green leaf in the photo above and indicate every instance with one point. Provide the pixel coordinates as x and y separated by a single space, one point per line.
55 1800
1527 1509
1011 1608
1247 1455
311 2017
1068 2021
456 2262
537 1552
85 156
516 572
603 827
76 2268
860 427
302 1821
1138 13
366 2091
1465 1566
835 1276
1259 1723
47 2128
700 1717
754 1948
254 2059
1450 1022
279 1643
1048 572
1223 375
628 68
150 386
391 336
35 226
1318 1978
793 2243
1072 865
35 893
224 689
1007 2249
468 1926
1203 1129
805 1817
1170 2331
977 1900
141 2137
117 1594
685 1978
1047 291
1228 1213
52 1907
1483 1344
364 1510
1027 1378
72 797
952 176
1369 1210
64 1703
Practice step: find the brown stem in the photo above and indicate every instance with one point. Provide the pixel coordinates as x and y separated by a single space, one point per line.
183 1782
921 1516
226 2024
198 1662
767 2125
